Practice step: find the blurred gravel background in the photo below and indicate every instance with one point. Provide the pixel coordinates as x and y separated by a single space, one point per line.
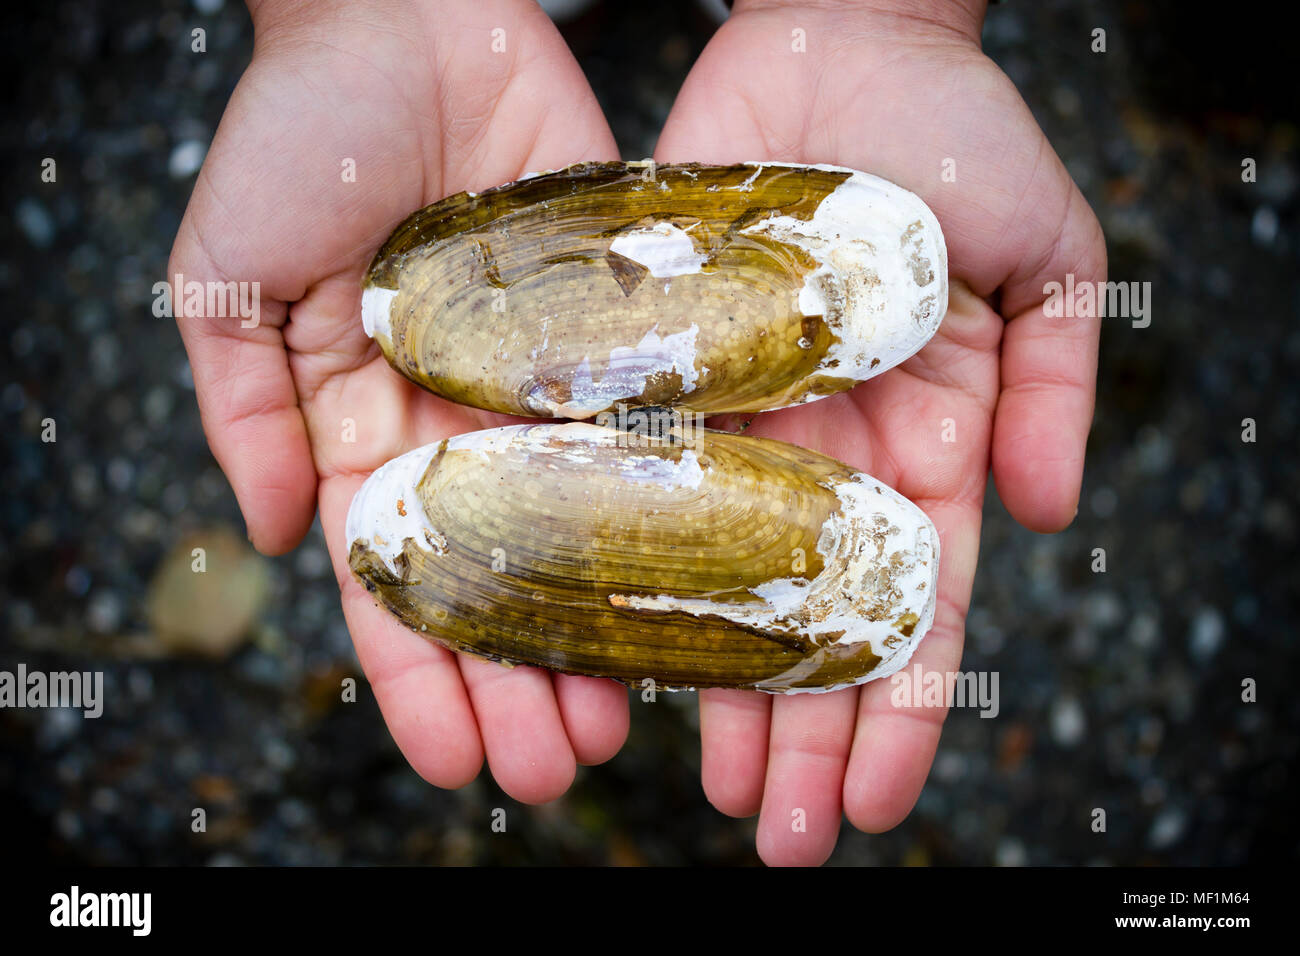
1118 690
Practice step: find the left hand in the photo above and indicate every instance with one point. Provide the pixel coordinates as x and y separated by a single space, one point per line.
906 97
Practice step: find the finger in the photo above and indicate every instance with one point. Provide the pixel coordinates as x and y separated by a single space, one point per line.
809 749
523 733
420 693
595 715
1049 375
893 746
733 749
248 404
416 683
521 108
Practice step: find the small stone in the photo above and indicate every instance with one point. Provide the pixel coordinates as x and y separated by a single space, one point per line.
1103 502
1206 633
1104 609
106 359
208 607
85 484
105 801
14 398
1150 732
158 405
1277 520
1154 451
68 825
139 681
950 766
35 222
1068 722
293 813
1167 829
22 342
1010 852
312 562
120 474
61 724
77 580
104 614
1263 226
988 636
175 498
1218 282
1083 643
1066 100
278 754
1245 610
186 159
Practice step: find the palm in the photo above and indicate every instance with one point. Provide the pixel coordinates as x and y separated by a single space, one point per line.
300 409
415 132
909 109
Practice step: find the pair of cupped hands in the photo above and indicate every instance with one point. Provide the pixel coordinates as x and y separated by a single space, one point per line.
424 98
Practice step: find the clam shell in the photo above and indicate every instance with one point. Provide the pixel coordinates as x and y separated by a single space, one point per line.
713 560
705 288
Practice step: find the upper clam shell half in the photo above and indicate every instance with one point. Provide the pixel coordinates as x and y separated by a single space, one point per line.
738 562
707 288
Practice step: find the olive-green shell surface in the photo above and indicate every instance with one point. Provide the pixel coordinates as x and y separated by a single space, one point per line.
705 288
718 560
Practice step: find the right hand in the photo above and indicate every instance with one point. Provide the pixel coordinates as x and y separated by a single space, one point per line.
416 96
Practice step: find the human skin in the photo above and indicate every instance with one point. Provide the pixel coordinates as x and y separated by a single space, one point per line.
903 90
414 93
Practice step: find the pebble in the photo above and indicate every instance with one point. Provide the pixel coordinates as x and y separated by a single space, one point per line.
1206 633
1263 226
104 613
186 158
77 581
278 754
1068 722
1153 792
68 824
13 398
120 474
158 404
312 561
1245 610
1104 609
1144 630
1103 502
1010 852
105 800
293 813
22 342
35 222
1167 829
1154 450
139 682
950 766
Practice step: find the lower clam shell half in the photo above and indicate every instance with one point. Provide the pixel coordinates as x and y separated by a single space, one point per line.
706 288
714 561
